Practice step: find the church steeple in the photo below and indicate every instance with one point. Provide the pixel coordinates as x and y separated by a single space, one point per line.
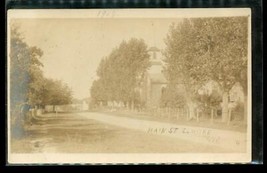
154 56
155 60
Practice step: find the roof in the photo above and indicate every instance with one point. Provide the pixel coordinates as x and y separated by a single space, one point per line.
157 78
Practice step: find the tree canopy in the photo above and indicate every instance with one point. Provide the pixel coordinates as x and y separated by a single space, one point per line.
202 49
25 70
55 92
120 73
27 82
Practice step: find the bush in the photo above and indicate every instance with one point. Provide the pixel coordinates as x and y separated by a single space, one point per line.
172 98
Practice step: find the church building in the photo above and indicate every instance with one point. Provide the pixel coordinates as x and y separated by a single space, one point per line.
154 80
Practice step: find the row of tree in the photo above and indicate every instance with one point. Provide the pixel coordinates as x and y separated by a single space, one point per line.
207 49
198 51
27 82
121 73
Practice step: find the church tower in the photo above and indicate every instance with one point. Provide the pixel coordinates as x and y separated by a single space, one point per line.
155 61
154 80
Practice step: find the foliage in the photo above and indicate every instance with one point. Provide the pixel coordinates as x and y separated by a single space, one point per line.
56 92
207 101
204 49
238 111
121 72
208 48
172 97
25 73
27 82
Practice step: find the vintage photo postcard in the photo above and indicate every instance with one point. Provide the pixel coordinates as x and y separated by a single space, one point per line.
113 86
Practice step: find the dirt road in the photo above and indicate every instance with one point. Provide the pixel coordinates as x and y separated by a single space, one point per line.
230 140
95 133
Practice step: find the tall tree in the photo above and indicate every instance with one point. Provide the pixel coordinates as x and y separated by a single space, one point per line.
37 78
182 66
120 73
27 82
25 73
55 92
205 49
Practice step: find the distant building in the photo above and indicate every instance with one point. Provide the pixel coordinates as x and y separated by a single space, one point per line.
154 80
154 83
85 105
236 94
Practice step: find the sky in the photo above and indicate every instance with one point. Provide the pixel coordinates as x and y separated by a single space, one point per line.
73 48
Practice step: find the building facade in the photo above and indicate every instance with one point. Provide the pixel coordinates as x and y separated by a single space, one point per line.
154 80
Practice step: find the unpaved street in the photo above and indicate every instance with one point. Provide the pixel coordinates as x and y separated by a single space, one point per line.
231 140
84 133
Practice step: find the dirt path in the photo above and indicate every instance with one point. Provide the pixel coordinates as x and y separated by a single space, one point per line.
229 140
97 133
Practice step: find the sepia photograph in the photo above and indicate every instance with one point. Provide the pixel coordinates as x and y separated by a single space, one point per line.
112 86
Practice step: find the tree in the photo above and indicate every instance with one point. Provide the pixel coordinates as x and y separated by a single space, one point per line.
121 72
227 52
209 100
25 73
98 92
55 92
172 97
36 80
24 79
182 67
199 50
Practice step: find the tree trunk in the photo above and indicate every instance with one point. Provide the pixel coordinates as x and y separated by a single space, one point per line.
190 104
191 111
132 105
212 114
229 116
197 115
225 106
128 105
169 113
112 105
187 113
